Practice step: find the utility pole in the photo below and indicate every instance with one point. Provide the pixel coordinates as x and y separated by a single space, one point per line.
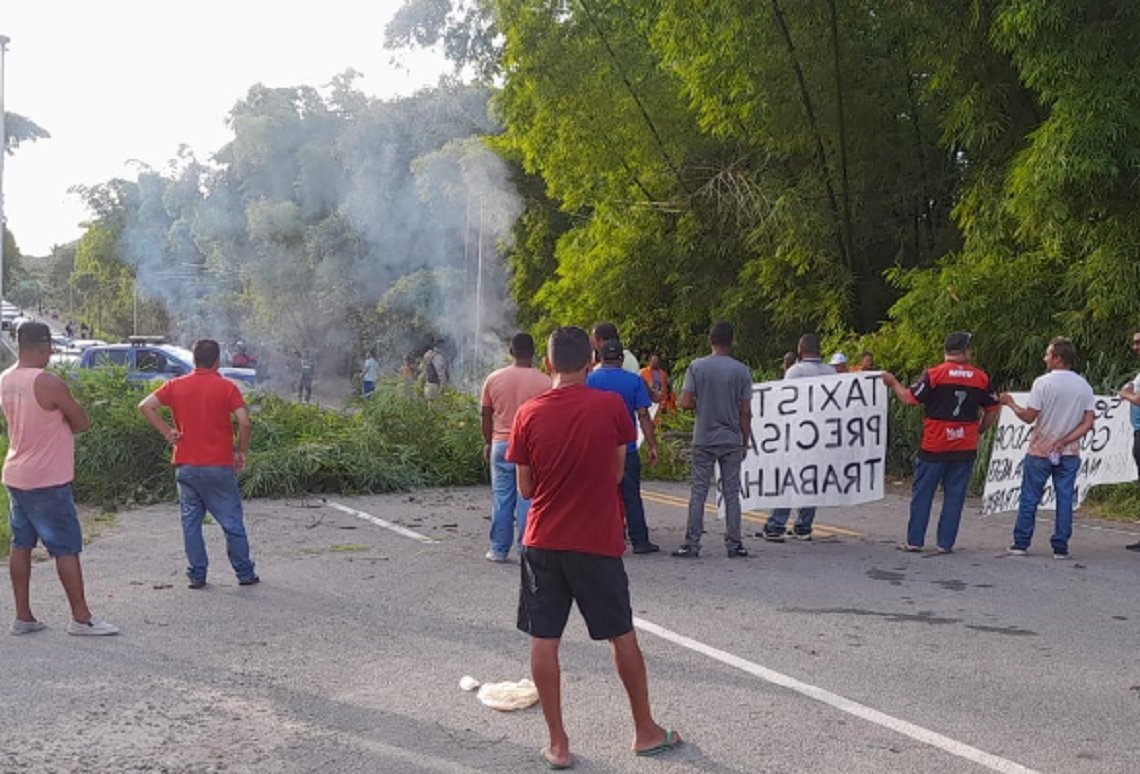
3 152
479 291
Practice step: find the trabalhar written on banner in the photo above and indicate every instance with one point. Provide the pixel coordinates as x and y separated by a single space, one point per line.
816 441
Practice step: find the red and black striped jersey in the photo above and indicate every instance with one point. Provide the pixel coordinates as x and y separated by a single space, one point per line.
952 395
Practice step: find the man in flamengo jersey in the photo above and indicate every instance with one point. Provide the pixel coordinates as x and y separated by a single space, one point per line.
569 449
951 394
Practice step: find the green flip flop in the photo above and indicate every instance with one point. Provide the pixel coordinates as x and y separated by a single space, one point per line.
672 742
555 766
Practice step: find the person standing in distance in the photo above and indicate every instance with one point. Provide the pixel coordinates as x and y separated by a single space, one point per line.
206 462
719 387
569 448
369 374
504 391
1061 408
605 331
611 377
43 418
810 363
951 394
1131 393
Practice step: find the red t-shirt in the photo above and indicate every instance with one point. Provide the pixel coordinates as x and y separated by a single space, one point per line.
951 394
569 437
202 402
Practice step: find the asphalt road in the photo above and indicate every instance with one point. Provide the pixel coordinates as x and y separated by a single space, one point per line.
840 655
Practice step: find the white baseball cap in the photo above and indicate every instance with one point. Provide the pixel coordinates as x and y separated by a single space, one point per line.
837 359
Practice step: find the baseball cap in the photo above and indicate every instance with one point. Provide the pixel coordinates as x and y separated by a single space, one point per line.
837 359
611 350
958 341
33 333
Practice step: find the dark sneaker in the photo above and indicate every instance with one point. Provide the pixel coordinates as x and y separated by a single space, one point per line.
249 581
646 548
803 536
1133 546
1017 551
687 552
1062 555
737 552
772 537
196 584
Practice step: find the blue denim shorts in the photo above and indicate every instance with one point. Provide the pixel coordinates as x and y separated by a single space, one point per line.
47 515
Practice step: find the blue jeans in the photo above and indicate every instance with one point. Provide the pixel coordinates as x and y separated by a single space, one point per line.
955 479
509 506
213 489
46 515
630 487
367 388
1035 473
779 518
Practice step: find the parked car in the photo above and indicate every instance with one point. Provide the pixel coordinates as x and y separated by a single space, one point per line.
145 362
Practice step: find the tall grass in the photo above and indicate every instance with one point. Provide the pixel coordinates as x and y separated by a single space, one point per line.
393 441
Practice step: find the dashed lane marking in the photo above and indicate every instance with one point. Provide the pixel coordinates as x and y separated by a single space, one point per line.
408 533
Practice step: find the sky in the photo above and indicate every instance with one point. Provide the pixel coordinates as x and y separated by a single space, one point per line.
125 80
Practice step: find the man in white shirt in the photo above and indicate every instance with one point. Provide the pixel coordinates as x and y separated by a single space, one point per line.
1060 408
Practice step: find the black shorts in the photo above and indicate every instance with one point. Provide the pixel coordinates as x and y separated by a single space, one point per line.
551 580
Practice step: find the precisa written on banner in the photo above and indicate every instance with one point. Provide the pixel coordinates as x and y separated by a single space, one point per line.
816 441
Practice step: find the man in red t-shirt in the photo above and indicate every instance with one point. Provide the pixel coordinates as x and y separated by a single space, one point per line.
206 464
569 449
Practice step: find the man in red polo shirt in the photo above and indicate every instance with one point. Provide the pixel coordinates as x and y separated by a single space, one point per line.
569 450
206 463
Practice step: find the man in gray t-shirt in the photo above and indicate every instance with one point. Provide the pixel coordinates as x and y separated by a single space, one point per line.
719 387
1061 408
809 364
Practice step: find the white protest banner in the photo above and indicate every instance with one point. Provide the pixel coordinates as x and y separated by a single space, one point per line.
815 441
1106 455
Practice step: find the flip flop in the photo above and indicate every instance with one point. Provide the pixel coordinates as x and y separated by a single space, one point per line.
909 548
556 766
672 742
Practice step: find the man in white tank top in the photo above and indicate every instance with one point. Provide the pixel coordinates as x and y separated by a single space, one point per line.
42 420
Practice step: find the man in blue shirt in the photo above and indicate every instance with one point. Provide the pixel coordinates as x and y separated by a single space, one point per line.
610 377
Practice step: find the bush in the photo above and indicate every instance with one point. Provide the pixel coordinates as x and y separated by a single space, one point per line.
393 441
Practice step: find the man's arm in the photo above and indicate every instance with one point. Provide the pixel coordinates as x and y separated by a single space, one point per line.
1077 433
148 407
245 430
688 400
989 418
902 392
620 460
745 423
53 394
1128 393
1026 415
647 430
525 480
488 424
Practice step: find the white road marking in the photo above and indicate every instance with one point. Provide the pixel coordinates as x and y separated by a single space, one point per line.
408 533
924 735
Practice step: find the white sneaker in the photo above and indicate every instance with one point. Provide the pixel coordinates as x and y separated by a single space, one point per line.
93 628
491 556
26 627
